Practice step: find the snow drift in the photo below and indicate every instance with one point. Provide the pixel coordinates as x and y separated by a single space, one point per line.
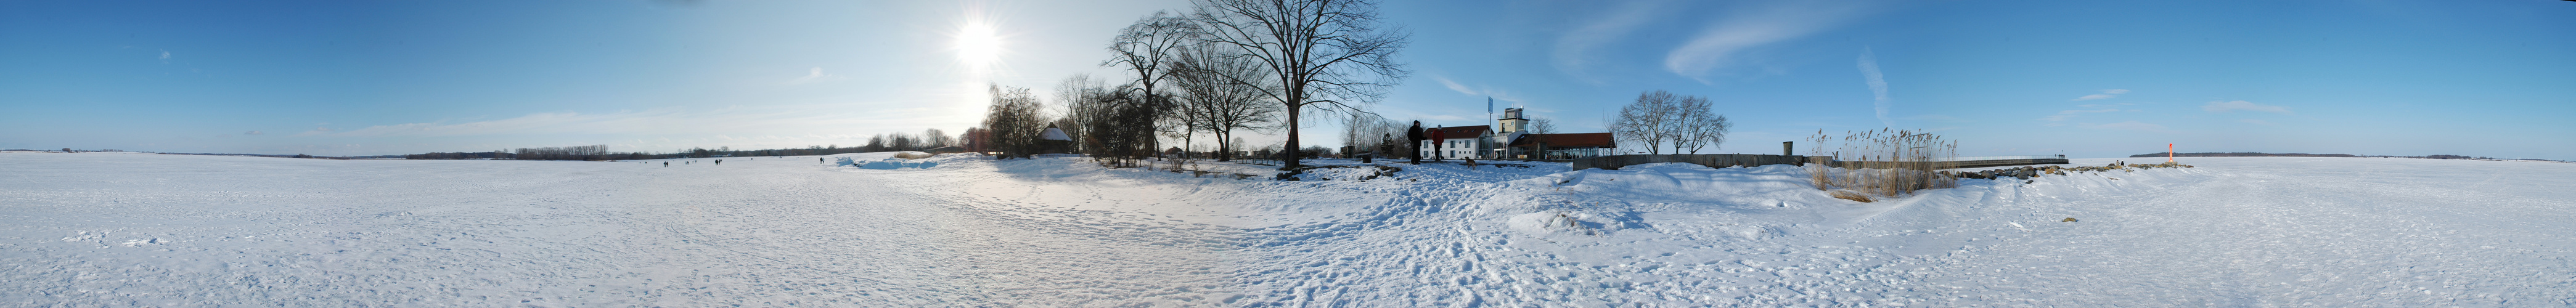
961 230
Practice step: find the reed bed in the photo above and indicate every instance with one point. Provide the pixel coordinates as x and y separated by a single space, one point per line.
1884 162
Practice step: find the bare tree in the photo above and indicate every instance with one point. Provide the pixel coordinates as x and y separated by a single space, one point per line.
1360 133
1222 94
1325 53
1706 131
1650 120
1538 145
935 138
1696 125
1077 101
1121 129
1013 123
1147 47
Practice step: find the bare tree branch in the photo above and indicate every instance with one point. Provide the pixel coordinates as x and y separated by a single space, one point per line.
1323 53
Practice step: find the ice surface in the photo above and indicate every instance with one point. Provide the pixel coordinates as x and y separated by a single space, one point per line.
80 229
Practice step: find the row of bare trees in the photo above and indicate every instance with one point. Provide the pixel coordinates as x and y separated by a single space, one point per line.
1368 133
1660 118
579 152
1224 67
928 139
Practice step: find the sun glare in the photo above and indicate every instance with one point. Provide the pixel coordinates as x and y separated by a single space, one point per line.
977 45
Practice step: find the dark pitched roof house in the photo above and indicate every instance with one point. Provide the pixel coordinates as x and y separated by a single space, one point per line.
1578 140
1459 132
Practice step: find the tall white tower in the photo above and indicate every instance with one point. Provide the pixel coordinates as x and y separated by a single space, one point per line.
1512 121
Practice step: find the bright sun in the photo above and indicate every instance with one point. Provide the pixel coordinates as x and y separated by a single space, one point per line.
977 45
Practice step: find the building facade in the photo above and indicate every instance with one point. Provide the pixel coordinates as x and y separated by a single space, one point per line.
1510 138
1460 142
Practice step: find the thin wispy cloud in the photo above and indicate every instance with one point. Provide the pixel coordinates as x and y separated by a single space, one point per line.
1723 42
813 75
1572 53
2129 125
2063 115
1454 86
316 131
165 56
1877 84
1498 95
2229 106
2256 122
253 133
2105 94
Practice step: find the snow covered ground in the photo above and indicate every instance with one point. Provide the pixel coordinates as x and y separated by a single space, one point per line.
80 229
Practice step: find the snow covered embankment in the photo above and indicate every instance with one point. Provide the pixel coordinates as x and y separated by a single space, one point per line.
1687 235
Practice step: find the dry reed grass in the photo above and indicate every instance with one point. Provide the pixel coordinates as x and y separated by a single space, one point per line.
1885 162
1848 195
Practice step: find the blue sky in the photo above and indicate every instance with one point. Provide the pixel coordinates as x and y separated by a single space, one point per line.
2086 79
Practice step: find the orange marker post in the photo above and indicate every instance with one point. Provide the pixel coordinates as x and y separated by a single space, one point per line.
2169 152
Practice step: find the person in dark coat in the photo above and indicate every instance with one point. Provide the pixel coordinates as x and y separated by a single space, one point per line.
1415 135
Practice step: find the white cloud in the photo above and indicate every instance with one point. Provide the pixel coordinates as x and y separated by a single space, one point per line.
1720 44
1498 95
2105 94
315 131
813 75
1877 84
1571 53
2226 106
1454 86
2063 115
2130 125
165 57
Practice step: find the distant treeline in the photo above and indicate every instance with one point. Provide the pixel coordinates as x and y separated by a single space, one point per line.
293 156
579 152
929 139
2258 154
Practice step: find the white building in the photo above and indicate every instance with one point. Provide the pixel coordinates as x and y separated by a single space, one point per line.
1455 142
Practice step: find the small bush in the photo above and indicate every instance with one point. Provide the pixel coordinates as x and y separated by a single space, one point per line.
1848 195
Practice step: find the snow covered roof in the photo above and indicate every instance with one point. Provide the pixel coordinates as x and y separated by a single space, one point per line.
1053 134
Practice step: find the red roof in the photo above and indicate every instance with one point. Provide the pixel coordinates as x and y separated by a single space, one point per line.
1457 132
1580 140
